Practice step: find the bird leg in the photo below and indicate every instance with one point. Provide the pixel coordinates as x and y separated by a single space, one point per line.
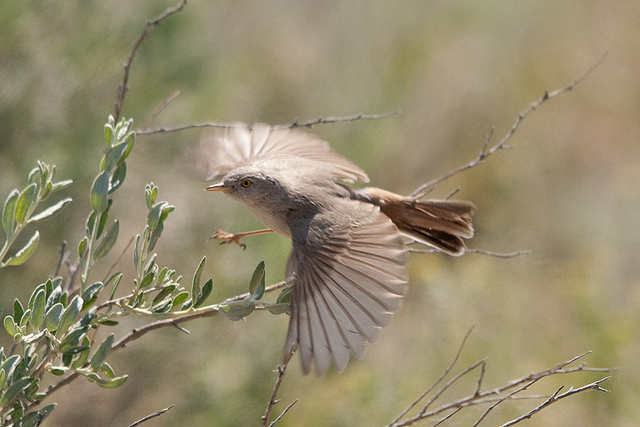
235 238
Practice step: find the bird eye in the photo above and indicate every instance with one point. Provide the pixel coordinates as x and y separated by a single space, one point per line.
246 183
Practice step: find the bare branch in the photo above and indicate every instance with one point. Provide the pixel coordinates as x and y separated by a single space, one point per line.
159 109
122 89
273 399
555 397
472 251
148 417
283 412
438 381
498 395
294 124
488 151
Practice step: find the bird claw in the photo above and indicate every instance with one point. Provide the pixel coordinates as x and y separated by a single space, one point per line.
229 238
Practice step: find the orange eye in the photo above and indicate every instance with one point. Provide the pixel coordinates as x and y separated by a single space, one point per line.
246 183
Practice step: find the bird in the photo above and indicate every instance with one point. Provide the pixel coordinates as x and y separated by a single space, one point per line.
348 264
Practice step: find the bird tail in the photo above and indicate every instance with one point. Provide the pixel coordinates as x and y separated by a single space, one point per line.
442 224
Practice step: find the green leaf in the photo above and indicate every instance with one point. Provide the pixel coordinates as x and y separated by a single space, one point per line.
83 356
108 132
90 294
136 252
18 310
91 222
9 223
52 317
73 338
100 192
285 296
82 247
37 312
206 291
195 283
150 194
116 281
256 284
147 280
107 370
118 178
153 219
61 185
54 297
26 317
155 235
163 293
35 176
105 245
112 157
52 210
130 140
15 389
151 264
180 299
108 322
163 307
9 365
10 326
104 218
238 310
165 212
101 353
26 201
107 383
25 253
279 308
58 370
69 316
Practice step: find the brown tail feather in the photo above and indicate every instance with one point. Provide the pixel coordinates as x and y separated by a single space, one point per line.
438 223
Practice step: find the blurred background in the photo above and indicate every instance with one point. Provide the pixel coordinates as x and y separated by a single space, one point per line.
569 191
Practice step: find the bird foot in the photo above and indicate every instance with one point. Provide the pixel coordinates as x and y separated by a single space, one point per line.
229 238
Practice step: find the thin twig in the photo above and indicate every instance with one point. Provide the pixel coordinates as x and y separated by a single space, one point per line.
274 394
63 257
161 107
486 151
473 251
555 397
122 89
295 124
283 412
113 265
496 396
148 417
438 381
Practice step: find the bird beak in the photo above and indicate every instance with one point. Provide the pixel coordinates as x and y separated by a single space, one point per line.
218 187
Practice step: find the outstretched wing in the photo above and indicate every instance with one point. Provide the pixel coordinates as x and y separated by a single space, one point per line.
348 281
244 145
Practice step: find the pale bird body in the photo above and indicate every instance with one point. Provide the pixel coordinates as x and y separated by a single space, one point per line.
348 261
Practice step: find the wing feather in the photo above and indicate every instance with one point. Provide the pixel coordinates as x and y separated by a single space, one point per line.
243 145
348 282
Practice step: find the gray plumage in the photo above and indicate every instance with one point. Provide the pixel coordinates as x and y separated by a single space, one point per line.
348 261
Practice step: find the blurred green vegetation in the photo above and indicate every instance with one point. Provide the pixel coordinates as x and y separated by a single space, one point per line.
569 193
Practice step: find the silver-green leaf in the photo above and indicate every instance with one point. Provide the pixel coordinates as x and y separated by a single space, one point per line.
100 192
108 241
101 353
9 213
25 253
26 201
50 211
